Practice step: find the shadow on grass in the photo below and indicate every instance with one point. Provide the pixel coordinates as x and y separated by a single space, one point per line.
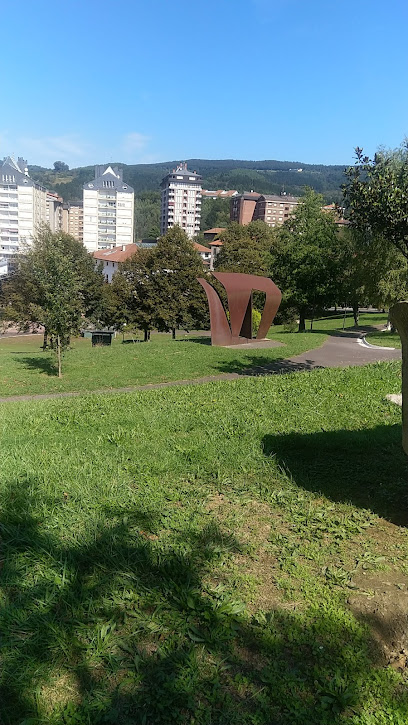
120 628
198 340
43 364
365 467
256 365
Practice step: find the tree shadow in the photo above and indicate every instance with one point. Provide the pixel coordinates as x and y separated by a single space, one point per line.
258 365
43 364
134 631
365 467
197 340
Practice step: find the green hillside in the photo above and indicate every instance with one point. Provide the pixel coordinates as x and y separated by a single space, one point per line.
263 176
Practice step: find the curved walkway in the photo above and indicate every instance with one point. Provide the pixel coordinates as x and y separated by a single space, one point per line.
341 349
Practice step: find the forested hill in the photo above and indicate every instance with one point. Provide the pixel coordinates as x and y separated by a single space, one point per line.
268 177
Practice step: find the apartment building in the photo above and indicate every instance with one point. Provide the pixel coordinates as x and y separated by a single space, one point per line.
181 200
108 210
54 215
73 219
23 206
273 209
243 206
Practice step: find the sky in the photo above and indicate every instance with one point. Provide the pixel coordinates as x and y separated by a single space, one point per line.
131 81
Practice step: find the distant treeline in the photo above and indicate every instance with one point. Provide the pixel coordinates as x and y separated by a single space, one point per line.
268 177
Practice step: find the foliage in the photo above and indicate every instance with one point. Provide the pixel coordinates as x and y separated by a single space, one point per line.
54 285
214 213
147 215
267 177
306 258
180 300
372 271
60 166
376 194
132 294
187 555
246 248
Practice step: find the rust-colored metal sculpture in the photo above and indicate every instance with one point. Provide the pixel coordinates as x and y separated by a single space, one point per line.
239 289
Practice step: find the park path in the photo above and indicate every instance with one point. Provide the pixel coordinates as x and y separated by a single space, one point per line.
341 349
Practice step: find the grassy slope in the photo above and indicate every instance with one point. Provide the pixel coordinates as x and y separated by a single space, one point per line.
191 555
26 369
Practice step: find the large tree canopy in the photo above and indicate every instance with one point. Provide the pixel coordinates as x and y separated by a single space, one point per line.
376 195
306 258
245 249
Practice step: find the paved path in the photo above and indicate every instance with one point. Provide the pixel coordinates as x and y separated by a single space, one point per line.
339 350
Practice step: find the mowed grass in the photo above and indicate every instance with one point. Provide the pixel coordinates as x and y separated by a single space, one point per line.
384 339
233 553
25 369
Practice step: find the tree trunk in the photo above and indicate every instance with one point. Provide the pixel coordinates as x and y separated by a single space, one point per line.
355 315
146 334
302 322
59 356
45 340
173 333
311 324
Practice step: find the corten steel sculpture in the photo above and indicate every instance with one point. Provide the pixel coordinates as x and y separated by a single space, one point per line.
239 289
399 318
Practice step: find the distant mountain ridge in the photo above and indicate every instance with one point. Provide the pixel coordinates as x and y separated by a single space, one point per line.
268 177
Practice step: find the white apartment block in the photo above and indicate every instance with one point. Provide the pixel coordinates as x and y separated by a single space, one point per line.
23 207
108 209
181 200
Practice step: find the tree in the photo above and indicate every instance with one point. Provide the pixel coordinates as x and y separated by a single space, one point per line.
306 258
214 213
132 294
55 285
372 271
147 214
180 299
376 194
246 248
60 166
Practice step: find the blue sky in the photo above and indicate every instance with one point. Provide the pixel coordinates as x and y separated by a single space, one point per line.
93 81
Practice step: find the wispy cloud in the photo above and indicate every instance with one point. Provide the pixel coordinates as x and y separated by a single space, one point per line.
135 141
47 149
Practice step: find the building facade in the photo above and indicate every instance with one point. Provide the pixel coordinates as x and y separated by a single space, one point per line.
23 206
273 209
108 210
73 219
111 258
181 201
54 211
243 206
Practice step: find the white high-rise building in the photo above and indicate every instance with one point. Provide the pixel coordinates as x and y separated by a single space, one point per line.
108 210
181 200
23 207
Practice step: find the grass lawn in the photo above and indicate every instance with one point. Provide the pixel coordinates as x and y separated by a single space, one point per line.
26 369
233 553
384 339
